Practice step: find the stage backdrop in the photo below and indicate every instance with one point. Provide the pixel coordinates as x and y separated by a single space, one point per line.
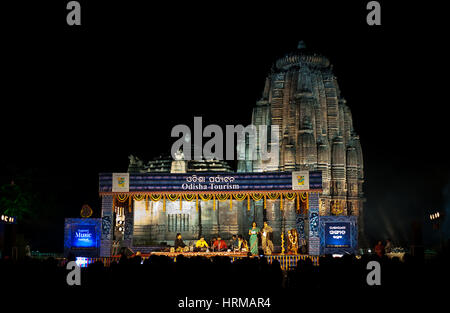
82 237
338 234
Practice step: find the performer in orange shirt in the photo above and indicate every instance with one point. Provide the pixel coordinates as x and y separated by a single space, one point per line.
219 245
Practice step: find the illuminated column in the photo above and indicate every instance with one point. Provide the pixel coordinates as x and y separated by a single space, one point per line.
313 215
107 226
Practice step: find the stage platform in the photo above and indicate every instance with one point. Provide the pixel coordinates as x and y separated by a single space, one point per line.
287 261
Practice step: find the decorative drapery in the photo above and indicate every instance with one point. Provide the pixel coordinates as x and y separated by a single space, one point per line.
304 199
225 197
301 199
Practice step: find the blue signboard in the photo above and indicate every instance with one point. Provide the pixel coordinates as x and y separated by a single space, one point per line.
84 236
337 235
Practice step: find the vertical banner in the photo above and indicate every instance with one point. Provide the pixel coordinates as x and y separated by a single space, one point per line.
120 182
107 226
300 180
314 239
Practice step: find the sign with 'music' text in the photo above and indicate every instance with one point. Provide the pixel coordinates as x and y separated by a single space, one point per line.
84 236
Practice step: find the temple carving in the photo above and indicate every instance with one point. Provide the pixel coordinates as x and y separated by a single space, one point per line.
302 97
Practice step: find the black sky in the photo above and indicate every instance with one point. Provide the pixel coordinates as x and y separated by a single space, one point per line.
76 102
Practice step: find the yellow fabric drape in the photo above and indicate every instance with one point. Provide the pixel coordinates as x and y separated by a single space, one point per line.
122 197
205 197
290 196
256 196
222 197
173 197
239 196
189 197
138 197
155 198
302 199
225 197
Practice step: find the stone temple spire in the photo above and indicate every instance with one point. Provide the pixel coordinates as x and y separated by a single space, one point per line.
301 95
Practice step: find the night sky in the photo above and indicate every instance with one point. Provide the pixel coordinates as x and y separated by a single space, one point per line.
76 102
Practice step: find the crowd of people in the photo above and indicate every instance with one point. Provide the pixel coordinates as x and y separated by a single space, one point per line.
219 274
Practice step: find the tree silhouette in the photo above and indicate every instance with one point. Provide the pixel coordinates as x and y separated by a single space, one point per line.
15 202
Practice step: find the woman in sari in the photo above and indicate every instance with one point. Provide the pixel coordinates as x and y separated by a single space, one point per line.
253 232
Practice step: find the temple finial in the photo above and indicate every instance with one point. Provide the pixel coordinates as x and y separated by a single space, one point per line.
301 45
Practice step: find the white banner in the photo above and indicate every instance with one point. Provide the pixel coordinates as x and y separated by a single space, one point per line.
121 182
300 180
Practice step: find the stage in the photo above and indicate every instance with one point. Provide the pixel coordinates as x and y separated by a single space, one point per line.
287 261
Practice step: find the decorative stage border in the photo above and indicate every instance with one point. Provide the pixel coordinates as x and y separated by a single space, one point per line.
287 261
127 198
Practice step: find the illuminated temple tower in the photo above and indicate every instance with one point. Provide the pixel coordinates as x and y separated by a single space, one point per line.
302 96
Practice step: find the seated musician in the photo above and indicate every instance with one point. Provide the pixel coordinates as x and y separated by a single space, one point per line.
213 240
179 244
201 245
234 243
219 245
242 244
